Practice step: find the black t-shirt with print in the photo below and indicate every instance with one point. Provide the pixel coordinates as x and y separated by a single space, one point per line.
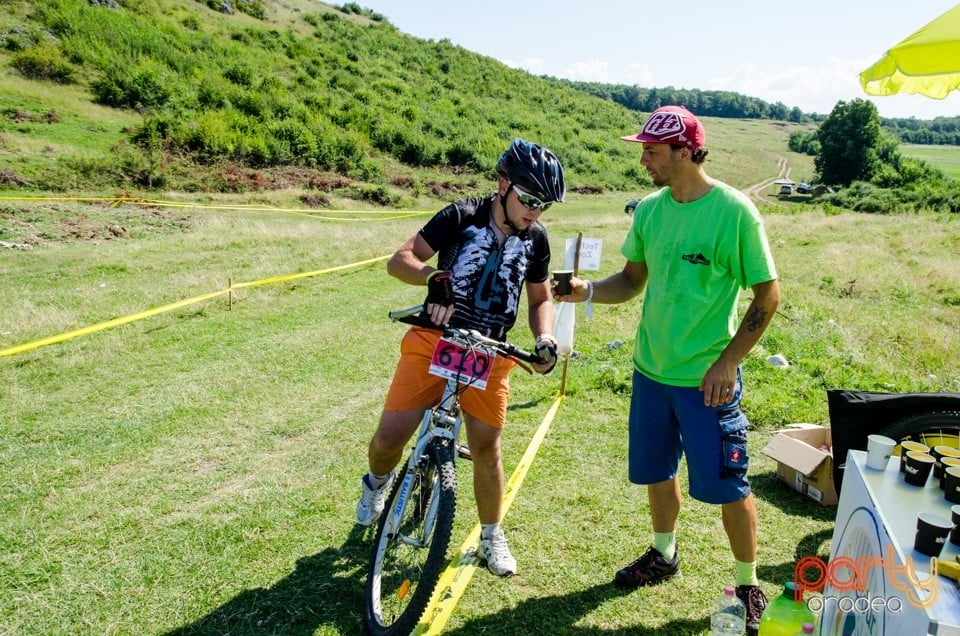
487 279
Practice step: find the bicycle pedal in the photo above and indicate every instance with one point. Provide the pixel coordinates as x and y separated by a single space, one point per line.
464 452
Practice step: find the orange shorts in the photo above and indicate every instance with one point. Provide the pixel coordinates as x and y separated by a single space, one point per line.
414 388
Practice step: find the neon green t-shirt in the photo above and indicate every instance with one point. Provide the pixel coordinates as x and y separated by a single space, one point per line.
699 256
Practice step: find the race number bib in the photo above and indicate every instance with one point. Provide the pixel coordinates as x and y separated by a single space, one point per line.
453 362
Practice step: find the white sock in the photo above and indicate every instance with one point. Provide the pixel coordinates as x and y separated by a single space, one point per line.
376 481
487 529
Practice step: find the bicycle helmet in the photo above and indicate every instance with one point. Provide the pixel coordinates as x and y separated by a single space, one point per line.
533 168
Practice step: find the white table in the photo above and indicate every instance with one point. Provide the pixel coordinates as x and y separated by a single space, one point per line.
875 528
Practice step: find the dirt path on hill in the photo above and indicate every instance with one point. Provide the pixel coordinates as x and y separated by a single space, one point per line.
755 191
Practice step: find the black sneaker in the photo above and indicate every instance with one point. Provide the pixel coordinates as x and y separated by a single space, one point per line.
650 569
753 597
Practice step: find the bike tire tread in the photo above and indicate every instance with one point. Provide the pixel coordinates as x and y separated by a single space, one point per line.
440 453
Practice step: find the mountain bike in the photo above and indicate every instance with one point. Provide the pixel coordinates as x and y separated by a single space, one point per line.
413 533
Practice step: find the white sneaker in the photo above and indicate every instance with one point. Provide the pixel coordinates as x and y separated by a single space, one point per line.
372 499
497 555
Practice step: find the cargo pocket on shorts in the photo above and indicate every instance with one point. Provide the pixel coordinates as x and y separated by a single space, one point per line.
733 436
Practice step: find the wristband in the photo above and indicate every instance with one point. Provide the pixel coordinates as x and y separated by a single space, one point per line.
547 336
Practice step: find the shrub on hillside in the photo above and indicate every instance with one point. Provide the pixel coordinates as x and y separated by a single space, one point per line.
144 87
462 155
292 143
210 137
374 194
43 63
239 74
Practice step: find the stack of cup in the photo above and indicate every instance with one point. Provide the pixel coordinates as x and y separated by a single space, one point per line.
939 452
932 533
945 463
908 445
917 468
955 518
879 448
951 484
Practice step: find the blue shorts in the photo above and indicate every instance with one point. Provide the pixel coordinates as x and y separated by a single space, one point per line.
667 422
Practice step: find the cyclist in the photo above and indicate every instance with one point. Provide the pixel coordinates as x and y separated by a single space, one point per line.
489 248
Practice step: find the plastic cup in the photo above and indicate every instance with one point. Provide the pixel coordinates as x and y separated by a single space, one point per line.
879 448
910 445
932 533
955 518
918 468
562 277
947 462
951 485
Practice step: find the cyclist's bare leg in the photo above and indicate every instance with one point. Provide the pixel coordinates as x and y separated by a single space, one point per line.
484 441
388 442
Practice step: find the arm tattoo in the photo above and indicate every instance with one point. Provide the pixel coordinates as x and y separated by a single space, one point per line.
756 318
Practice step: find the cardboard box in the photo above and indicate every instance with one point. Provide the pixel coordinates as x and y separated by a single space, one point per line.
803 463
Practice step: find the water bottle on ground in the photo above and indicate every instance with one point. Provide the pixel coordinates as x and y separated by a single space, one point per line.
729 615
785 616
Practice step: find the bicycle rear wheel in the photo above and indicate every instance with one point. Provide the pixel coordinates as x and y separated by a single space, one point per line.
934 428
410 547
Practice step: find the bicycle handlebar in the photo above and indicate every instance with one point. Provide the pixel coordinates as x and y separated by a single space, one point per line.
412 316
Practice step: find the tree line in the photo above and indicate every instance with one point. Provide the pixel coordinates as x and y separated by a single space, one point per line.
939 131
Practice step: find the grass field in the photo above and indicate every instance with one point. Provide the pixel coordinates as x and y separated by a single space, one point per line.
195 472
946 158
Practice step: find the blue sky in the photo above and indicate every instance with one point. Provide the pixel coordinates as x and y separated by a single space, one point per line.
806 54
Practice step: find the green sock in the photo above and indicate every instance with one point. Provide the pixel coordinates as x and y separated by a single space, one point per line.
665 543
747 573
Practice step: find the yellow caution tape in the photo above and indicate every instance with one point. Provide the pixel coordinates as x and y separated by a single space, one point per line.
328 215
116 322
454 580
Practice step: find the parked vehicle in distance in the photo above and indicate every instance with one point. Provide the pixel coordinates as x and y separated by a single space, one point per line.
786 189
804 188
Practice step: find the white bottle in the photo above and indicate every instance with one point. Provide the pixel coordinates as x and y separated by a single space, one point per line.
729 616
563 327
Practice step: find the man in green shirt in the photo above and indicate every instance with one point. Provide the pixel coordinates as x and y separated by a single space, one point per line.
693 246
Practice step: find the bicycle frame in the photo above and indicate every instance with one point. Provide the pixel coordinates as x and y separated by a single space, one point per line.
443 421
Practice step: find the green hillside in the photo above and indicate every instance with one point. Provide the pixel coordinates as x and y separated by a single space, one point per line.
161 94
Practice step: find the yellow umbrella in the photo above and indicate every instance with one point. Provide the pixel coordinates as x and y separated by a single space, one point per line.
927 62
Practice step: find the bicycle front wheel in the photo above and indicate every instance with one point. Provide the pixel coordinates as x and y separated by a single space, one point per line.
410 547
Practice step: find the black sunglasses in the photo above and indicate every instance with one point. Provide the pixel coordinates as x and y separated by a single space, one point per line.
530 201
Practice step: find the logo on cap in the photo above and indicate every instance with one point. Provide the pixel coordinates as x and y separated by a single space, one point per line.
665 125
671 125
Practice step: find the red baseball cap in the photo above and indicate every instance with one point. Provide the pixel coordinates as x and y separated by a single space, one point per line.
671 125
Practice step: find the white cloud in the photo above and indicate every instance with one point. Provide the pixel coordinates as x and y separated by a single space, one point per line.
593 70
812 89
639 74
